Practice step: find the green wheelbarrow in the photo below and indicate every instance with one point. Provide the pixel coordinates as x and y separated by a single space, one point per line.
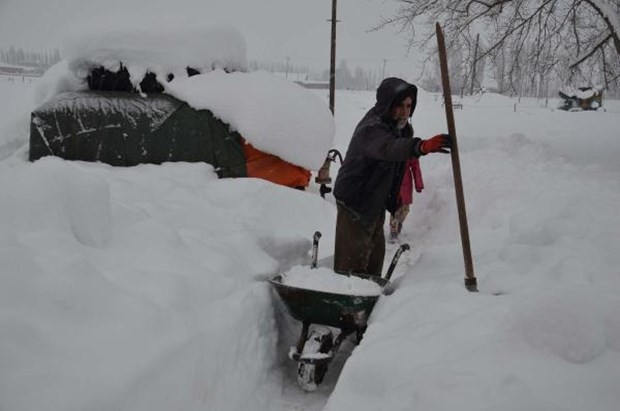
320 312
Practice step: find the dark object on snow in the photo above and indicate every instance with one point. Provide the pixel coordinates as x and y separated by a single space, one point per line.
586 98
102 79
122 128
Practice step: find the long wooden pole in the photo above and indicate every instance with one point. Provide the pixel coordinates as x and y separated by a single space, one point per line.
470 279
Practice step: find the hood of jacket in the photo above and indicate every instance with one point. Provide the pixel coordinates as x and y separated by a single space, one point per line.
394 90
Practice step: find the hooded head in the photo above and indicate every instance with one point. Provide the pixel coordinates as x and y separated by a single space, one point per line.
393 90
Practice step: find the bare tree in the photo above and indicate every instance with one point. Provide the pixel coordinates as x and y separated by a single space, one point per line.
523 37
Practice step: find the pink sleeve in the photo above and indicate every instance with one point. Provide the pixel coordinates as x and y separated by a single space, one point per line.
417 175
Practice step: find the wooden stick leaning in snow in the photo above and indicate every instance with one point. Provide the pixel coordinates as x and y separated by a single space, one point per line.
470 279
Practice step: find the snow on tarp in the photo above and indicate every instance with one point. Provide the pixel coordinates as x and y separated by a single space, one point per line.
57 79
273 114
159 110
162 52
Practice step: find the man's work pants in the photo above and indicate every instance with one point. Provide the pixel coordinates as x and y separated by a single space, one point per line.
359 249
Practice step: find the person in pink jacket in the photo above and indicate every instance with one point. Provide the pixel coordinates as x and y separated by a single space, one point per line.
412 177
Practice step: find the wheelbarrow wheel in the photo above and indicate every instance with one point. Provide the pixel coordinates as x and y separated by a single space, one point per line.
311 374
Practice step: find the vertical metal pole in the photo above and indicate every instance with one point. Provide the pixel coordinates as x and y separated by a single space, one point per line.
332 66
470 279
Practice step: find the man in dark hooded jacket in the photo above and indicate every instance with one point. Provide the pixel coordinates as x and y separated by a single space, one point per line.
369 179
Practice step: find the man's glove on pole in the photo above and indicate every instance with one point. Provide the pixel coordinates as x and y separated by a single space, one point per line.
441 143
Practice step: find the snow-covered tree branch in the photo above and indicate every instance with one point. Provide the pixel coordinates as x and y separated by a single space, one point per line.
525 37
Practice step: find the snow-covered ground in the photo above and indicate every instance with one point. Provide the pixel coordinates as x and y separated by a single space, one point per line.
144 288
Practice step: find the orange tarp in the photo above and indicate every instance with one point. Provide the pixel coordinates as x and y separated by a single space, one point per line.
274 169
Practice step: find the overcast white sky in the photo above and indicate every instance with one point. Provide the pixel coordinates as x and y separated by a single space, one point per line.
274 29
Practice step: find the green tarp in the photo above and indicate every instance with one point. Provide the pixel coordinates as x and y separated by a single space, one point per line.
126 129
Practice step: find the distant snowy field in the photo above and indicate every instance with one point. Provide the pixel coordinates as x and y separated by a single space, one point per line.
143 288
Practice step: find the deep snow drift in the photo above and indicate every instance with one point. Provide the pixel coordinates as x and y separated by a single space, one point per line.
143 288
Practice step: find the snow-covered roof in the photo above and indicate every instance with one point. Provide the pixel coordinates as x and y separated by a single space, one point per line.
581 93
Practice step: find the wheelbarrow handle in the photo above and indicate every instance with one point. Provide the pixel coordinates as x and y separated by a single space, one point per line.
403 247
315 248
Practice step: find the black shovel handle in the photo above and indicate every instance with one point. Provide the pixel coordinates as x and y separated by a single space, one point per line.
315 248
390 271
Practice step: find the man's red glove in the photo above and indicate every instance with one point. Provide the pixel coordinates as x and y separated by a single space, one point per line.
441 143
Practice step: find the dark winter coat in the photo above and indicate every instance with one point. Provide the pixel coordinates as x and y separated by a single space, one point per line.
369 179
